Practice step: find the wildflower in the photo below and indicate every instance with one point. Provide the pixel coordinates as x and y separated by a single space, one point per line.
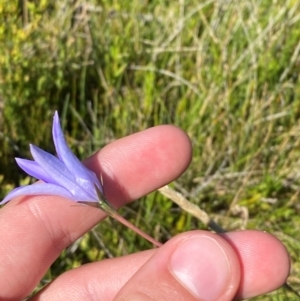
65 176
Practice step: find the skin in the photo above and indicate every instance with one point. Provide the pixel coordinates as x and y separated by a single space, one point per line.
35 230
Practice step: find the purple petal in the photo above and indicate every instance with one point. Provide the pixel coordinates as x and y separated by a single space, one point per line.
60 175
38 189
85 177
33 169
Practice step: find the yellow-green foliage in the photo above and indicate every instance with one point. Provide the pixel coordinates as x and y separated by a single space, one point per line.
227 72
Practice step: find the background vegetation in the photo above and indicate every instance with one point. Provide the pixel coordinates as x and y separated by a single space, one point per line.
227 72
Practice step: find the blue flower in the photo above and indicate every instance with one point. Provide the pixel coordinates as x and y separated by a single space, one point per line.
63 175
67 177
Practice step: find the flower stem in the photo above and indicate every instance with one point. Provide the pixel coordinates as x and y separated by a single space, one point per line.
126 223
114 214
111 211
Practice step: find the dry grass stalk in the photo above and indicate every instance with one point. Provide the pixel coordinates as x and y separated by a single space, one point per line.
190 208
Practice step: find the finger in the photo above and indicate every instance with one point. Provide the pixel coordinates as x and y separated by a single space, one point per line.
185 268
34 230
263 259
193 266
140 163
94 281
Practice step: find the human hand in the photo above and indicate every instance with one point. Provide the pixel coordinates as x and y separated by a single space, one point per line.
196 265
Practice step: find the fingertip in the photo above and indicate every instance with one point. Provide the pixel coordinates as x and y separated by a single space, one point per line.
142 162
264 261
196 265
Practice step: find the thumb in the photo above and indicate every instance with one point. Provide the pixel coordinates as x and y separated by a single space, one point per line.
195 265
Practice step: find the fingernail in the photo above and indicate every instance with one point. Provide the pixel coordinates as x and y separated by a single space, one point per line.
202 267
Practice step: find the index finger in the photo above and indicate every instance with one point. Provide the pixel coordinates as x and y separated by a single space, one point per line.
34 230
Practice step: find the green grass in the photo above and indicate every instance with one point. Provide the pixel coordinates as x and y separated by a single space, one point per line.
227 72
